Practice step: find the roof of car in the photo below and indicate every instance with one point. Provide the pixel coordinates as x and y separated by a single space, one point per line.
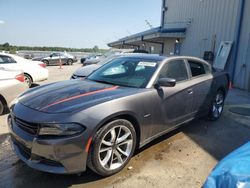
153 57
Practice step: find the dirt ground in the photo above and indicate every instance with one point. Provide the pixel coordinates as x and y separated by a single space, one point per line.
182 158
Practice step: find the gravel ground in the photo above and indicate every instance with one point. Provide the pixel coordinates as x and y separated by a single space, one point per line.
182 158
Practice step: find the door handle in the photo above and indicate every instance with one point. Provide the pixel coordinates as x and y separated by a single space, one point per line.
190 91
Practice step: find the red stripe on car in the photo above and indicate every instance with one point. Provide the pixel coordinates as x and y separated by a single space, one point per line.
79 96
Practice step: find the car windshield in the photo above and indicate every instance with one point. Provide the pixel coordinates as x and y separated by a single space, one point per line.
126 71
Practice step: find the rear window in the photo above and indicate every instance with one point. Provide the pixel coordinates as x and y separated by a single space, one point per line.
198 68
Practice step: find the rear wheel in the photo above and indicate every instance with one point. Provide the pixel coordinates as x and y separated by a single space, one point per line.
27 80
46 62
217 106
112 147
70 62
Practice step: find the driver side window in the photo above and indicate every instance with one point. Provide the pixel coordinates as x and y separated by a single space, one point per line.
175 69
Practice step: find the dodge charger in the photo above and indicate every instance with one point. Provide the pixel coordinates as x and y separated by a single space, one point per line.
98 122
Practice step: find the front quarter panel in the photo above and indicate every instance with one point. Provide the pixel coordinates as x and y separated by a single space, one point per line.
137 106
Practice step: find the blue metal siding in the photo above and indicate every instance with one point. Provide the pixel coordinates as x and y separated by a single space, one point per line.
242 71
208 17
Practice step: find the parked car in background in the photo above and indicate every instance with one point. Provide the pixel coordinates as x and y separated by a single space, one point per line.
92 59
28 56
110 53
99 121
34 71
11 85
84 71
54 59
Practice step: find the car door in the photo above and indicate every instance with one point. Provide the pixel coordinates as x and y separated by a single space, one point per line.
63 58
202 80
8 62
54 59
175 104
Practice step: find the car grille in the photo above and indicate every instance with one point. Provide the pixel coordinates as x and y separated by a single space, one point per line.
31 128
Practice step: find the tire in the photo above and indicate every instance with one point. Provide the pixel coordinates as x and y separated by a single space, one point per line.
217 106
46 62
112 147
70 62
1 107
28 80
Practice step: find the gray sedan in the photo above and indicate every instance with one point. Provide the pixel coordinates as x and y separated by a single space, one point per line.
100 121
55 58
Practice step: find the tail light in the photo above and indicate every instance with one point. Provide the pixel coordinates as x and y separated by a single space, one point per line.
20 77
43 65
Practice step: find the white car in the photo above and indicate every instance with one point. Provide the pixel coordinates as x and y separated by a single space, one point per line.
34 71
11 86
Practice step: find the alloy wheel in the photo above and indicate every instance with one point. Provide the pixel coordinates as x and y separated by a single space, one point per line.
27 80
218 105
115 147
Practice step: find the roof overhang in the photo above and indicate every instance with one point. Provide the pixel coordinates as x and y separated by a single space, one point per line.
157 34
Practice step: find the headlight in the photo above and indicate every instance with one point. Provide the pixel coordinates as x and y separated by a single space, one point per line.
60 129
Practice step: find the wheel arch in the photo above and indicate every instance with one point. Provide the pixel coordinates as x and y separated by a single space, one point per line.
29 76
222 88
5 105
127 116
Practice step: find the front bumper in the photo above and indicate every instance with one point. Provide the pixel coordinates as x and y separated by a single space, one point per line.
65 155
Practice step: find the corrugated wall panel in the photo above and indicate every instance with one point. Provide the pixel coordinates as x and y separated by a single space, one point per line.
208 17
242 73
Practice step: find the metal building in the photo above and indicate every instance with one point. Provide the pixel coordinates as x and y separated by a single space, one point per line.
216 30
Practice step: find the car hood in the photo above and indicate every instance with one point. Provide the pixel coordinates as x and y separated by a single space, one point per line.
68 96
85 71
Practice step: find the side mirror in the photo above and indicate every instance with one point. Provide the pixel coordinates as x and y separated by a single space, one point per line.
165 82
50 56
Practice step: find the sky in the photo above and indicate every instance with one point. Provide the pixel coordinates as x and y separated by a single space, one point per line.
75 23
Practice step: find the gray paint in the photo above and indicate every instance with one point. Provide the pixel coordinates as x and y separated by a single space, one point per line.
70 153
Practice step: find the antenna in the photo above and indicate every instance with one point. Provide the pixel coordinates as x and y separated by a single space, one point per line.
148 24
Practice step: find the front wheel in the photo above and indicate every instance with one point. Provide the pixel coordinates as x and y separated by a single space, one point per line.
217 106
112 147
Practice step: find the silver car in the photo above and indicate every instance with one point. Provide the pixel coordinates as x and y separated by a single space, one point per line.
54 59
84 71
11 85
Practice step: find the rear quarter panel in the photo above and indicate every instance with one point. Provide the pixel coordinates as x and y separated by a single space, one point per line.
221 80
